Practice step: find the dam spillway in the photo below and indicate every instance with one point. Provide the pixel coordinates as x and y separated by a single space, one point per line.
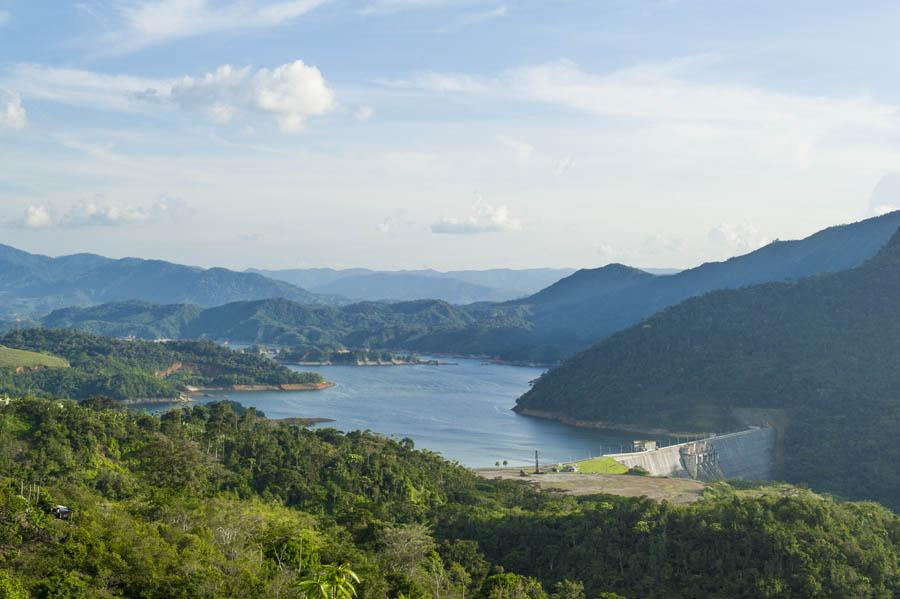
748 455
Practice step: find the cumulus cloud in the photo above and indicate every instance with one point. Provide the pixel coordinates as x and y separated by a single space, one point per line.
12 113
97 214
36 217
291 93
484 218
743 237
364 113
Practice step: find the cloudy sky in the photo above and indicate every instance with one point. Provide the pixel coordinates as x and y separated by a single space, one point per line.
442 133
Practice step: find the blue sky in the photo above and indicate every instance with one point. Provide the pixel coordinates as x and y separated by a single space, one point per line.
442 133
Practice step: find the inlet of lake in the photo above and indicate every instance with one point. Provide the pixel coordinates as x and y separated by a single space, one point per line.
460 410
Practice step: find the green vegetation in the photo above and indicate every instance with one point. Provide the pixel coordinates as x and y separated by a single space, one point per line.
601 465
217 501
17 358
128 370
825 350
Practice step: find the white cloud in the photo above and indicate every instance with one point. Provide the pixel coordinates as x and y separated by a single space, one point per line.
522 150
96 214
88 89
153 22
36 217
743 237
12 113
364 113
885 197
4 17
484 218
657 244
665 93
563 166
291 93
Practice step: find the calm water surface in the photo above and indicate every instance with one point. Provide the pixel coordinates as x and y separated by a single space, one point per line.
462 411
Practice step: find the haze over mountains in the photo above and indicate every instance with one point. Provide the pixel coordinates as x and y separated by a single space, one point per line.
546 327
455 287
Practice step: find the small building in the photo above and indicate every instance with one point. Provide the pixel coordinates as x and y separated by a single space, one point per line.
62 512
644 445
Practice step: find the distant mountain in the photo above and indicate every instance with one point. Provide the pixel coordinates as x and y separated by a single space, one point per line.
31 283
455 287
417 325
545 327
825 350
407 287
593 304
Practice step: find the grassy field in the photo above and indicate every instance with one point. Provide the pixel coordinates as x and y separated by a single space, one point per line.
601 465
14 358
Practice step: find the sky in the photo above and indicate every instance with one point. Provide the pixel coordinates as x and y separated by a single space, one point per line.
442 134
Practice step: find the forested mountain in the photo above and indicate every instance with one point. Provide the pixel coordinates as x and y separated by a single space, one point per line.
218 501
420 325
77 366
825 349
593 304
545 327
31 283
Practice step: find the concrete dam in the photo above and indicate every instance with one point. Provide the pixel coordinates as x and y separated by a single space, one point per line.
748 454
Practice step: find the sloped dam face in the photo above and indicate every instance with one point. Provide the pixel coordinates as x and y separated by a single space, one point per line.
749 455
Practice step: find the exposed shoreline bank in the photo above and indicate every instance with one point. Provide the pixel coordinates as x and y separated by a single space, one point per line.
191 391
604 425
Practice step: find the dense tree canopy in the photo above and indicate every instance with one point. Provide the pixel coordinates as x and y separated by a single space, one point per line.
218 501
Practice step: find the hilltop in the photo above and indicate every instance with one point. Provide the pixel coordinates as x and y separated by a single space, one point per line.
825 350
31 283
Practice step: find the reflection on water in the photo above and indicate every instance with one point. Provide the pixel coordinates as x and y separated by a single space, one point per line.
462 411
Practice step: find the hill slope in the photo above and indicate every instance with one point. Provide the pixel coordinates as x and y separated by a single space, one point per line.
825 349
32 283
18 358
593 304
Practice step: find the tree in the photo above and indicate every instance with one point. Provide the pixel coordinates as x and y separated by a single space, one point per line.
568 589
331 582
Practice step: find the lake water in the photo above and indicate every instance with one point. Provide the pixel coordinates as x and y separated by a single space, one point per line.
461 410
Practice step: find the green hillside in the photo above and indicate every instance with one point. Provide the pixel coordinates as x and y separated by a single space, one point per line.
17 358
826 350
218 501
127 370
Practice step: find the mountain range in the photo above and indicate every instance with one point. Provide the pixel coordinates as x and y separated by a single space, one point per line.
821 356
455 287
31 283
546 327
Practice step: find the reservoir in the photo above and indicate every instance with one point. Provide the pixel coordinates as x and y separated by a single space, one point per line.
460 410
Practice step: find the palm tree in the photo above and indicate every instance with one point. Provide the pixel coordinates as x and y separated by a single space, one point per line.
332 582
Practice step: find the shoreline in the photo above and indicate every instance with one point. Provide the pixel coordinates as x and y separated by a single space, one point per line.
191 391
604 425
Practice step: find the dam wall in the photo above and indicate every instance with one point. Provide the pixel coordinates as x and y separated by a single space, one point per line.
749 455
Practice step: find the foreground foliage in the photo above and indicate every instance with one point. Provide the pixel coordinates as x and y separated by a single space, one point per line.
217 501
